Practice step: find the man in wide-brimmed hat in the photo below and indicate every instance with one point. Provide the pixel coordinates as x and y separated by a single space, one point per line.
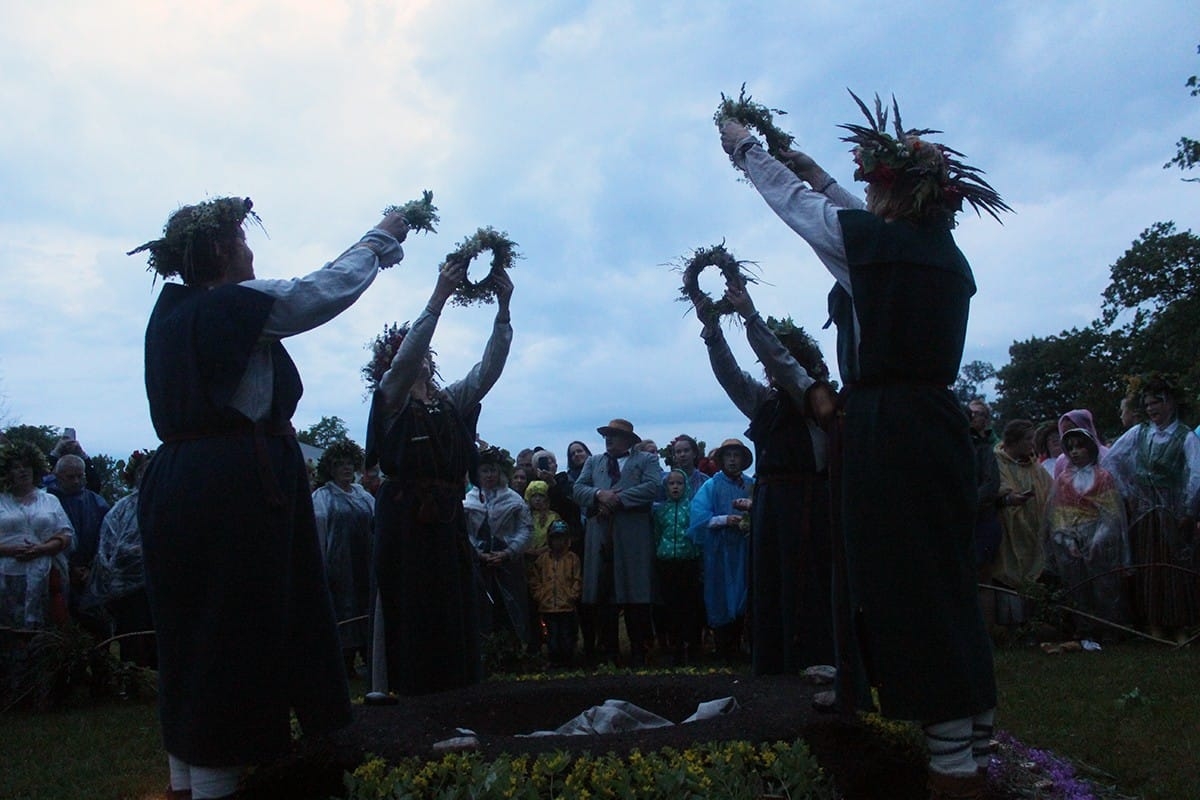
616 489
716 526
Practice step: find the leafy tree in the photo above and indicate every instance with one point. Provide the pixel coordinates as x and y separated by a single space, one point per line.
325 432
44 436
1046 377
112 488
1187 150
970 378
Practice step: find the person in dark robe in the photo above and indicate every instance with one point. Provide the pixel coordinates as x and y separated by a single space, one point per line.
906 494
426 635
790 611
245 627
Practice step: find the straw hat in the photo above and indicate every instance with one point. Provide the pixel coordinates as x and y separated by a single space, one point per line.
747 456
619 426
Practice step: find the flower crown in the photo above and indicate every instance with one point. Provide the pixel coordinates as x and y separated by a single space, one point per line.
800 344
137 459
343 449
938 178
383 349
171 254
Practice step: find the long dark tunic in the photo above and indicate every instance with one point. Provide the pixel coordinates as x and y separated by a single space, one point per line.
908 488
424 564
244 623
791 611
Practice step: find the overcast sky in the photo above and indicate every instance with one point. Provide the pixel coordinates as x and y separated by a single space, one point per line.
584 130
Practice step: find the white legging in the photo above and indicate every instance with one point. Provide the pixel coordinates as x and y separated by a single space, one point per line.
204 782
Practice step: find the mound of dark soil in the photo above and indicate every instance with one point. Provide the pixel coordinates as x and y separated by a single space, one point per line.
860 762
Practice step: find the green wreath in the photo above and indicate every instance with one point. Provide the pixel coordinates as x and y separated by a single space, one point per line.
702 258
421 215
504 250
758 117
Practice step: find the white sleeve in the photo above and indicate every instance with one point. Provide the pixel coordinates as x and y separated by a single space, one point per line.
302 304
814 216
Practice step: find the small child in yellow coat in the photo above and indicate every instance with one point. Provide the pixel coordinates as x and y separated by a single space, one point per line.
557 584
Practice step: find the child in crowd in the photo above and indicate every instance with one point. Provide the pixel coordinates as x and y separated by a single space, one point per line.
557 583
677 563
537 495
1086 542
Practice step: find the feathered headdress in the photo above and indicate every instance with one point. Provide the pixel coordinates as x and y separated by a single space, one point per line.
934 174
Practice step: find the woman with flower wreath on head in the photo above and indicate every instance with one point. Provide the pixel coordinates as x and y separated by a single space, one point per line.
241 607
35 536
117 581
345 514
911 622
1157 467
422 435
790 616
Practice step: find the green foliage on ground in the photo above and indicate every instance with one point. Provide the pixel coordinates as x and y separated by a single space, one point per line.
1125 716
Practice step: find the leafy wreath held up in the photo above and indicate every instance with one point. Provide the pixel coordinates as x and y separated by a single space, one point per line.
760 118
421 215
731 269
504 250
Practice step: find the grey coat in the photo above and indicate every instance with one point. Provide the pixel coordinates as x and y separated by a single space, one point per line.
620 545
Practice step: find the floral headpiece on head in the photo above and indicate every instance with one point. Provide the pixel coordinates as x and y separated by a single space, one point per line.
498 456
1156 383
137 460
21 453
383 349
341 450
801 345
191 232
933 173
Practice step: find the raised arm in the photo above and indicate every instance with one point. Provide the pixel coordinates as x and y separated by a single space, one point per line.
745 392
305 303
810 213
410 356
483 376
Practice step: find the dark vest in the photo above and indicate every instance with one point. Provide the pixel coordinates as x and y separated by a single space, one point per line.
198 343
780 434
911 290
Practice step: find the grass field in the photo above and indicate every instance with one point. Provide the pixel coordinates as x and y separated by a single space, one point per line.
1128 717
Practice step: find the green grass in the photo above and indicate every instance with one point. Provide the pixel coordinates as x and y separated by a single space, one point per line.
1131 713
1129 716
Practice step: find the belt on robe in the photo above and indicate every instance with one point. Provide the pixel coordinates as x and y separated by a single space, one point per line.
259 431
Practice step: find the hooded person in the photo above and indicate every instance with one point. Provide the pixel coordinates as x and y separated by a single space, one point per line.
901 301
1086 541
719 525
1077 418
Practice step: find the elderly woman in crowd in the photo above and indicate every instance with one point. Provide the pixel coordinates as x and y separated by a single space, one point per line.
423 437
345 512
1157 467
35 536
500 526
241 607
